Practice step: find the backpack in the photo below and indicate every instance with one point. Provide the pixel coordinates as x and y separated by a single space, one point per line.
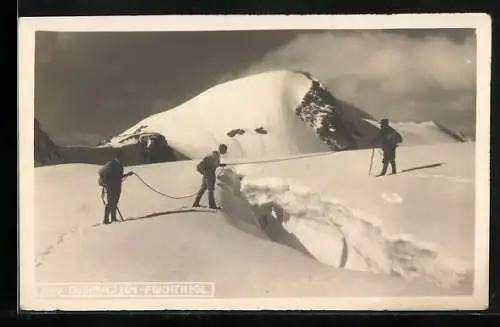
204 164
394 137
102 175
100 181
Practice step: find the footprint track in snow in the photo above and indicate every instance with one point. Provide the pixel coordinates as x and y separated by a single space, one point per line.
62 239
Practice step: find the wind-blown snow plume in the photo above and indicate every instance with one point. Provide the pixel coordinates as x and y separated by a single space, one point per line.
45 150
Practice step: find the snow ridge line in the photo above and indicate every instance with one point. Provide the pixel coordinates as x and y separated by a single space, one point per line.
398 255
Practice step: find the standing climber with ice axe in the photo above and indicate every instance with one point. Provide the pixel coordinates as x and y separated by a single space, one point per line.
207 168
389 139
110 178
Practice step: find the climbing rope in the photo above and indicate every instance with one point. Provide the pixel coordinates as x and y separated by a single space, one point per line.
321 154
220 173
170 196
163 194
103 192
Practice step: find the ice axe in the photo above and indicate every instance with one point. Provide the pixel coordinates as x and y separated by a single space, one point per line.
120 213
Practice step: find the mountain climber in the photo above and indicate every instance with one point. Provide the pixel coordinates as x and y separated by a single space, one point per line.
110 178
388 138
207 167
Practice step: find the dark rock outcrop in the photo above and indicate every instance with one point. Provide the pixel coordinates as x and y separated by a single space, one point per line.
151 148
234 132
337 123
46 152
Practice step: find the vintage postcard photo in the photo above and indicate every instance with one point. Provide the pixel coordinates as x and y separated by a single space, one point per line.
254 162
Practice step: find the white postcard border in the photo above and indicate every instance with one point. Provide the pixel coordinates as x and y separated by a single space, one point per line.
27 28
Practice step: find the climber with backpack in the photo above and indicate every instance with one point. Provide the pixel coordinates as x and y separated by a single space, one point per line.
389 139
110 178
207 168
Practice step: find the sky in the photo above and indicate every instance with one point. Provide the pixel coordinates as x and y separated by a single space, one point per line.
89 86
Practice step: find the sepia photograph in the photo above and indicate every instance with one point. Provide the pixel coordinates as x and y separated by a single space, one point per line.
254 162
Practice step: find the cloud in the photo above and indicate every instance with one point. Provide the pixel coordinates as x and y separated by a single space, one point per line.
384 73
